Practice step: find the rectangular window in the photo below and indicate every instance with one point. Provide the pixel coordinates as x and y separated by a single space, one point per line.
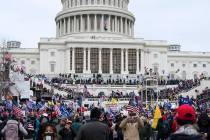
194 65
32 62
105 60
75 2
23 62
204 65
116 61
52 67
132 61
172 64
98 2
79 60
92 2
94 58
52 53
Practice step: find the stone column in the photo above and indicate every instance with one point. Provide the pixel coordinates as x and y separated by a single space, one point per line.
73 60
61 29
68 61
116 27
84 60
132 29
137 61
109 23
72 3
126 61
102 23
88 23
111 61
126 26
69 25
89 71
64 26
100 61
75 24
129 27
95 23
81 24
122 61
57 29
142 61
121 24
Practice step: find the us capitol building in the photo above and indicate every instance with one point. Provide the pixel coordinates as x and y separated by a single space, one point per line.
97 36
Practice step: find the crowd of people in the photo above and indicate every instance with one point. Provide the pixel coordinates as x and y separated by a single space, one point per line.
166 93
184 123
53 119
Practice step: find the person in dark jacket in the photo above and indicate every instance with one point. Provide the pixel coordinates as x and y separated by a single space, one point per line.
186 118
67 133
204 125
94 130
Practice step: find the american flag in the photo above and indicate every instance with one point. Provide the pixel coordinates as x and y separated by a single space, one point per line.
132 109
17 111
57 110
42 110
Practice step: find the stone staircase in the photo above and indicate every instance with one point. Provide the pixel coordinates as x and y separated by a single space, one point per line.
192 93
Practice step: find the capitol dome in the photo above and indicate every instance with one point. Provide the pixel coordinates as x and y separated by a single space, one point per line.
105 17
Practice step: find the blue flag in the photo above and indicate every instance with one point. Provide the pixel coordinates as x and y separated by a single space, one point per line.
64 111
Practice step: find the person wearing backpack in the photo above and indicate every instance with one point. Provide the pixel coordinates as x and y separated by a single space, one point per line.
13 130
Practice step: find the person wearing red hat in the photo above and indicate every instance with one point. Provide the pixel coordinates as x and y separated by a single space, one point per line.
186 119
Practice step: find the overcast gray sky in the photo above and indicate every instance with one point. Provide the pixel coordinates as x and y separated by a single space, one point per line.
184 22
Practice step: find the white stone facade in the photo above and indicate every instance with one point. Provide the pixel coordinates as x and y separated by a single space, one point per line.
97 36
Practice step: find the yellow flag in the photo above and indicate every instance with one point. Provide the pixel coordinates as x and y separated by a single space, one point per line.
50 103
157 116
114 101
